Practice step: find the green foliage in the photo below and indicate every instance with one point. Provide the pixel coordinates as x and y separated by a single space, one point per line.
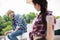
29 17
5 21
57 17
6 18
8 28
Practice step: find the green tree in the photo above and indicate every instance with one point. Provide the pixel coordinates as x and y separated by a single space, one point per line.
5 21
8 28
57 17
29 17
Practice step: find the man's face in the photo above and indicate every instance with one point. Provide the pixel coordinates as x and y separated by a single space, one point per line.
11 15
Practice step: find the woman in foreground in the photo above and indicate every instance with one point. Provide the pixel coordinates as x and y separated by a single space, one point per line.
44 23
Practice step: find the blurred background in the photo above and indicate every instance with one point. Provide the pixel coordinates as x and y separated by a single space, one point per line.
26 9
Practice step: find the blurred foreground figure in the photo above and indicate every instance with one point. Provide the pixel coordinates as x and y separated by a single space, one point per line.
44 23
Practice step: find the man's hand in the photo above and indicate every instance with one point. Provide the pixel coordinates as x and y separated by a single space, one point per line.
6 33
17 28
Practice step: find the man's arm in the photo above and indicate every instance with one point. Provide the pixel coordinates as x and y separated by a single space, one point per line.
21 23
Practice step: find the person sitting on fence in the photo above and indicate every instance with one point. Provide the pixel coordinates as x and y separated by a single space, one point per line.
19 25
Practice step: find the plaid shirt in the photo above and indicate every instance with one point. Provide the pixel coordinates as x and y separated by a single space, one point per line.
19 22
39 28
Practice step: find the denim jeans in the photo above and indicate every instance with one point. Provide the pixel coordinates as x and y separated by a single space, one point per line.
14 35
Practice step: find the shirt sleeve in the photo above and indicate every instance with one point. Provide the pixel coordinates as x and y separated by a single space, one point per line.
50 19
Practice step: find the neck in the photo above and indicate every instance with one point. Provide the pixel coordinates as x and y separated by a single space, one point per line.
38 12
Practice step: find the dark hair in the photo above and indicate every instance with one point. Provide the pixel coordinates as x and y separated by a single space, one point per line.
43 5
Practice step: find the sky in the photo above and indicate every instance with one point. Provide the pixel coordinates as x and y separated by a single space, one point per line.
21 7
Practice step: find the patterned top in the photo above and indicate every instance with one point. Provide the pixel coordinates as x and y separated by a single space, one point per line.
39 28
19 22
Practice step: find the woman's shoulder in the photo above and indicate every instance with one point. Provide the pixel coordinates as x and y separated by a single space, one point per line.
49 13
